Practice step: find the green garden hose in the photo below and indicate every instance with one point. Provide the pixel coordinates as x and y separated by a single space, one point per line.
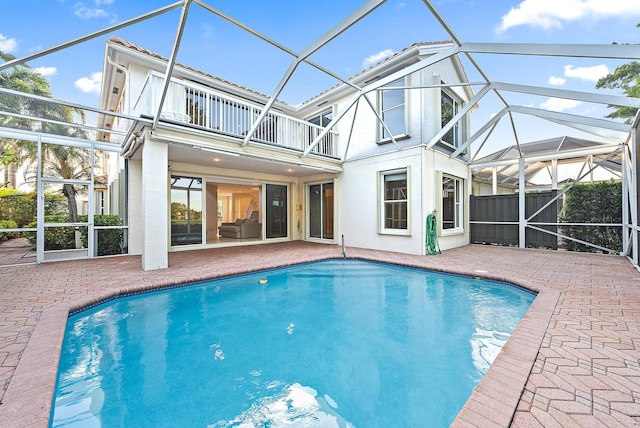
431 240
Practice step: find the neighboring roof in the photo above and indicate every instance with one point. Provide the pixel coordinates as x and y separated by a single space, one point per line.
508 174
537 148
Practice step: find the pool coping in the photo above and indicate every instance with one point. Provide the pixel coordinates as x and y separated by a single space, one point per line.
494 401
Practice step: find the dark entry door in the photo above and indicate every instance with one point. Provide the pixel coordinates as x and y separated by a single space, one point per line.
276 211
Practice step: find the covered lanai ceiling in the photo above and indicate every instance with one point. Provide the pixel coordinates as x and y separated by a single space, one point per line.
515 101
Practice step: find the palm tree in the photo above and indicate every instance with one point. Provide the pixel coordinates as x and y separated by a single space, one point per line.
25 80
57 160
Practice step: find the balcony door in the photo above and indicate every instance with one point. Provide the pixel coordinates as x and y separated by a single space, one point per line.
320 209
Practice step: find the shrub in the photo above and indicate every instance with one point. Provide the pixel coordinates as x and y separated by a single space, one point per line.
55 238
7 224
21 207
110 241
599 202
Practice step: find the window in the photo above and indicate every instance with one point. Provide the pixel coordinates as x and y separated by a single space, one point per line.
323 119
394 200
451 203
325 146
392 110
449 108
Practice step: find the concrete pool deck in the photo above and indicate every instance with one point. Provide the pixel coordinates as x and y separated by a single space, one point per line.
574 360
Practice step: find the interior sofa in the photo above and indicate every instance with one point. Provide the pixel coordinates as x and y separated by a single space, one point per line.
242 228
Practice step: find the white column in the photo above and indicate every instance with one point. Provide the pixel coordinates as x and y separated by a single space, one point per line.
625 202
154 205
522 219
134 181
635 202
554 174
494 180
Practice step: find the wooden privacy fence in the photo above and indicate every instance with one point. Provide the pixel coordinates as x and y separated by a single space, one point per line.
494 219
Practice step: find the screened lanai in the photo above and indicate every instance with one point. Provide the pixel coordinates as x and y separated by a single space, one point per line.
516 107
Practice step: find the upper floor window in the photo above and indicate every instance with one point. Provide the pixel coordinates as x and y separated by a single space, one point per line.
323 119
394 209
449 107
392 110
326 145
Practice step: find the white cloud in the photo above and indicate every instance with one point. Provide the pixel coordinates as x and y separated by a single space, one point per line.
89 12
208 31
548 14
557 81
46 71
90 84
559 104
375 58
7 45
591 74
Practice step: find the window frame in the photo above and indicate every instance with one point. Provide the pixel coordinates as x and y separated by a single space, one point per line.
458 205
456 131
383 202
382 110
321 116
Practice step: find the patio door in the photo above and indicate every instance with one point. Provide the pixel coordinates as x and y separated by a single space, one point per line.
320 209
186 210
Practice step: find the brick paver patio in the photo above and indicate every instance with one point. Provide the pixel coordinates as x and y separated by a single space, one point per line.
573 360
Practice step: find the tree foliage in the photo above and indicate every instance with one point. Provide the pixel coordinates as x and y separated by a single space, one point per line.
627 78
58 161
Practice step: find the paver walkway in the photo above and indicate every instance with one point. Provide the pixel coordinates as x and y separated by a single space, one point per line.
16 251
574 360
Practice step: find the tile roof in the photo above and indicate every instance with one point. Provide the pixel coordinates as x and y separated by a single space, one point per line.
127 44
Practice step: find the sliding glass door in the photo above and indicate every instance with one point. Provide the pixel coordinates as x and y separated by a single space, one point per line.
186 210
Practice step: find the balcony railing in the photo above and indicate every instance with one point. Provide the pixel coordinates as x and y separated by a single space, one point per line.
227 115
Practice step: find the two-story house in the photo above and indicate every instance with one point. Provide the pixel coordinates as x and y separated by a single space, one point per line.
357 162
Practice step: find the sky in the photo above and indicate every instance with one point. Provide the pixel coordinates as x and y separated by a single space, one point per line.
219 48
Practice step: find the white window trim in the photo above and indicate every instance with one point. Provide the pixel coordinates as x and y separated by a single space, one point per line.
382 230
460 229
458 128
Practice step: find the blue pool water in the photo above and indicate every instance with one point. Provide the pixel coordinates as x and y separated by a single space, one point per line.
337 343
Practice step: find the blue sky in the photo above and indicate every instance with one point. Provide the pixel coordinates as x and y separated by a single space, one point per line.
214 46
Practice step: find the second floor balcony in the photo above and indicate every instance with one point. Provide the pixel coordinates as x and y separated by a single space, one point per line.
208 109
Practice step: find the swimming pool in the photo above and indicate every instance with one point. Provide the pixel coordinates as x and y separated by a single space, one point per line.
333 343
